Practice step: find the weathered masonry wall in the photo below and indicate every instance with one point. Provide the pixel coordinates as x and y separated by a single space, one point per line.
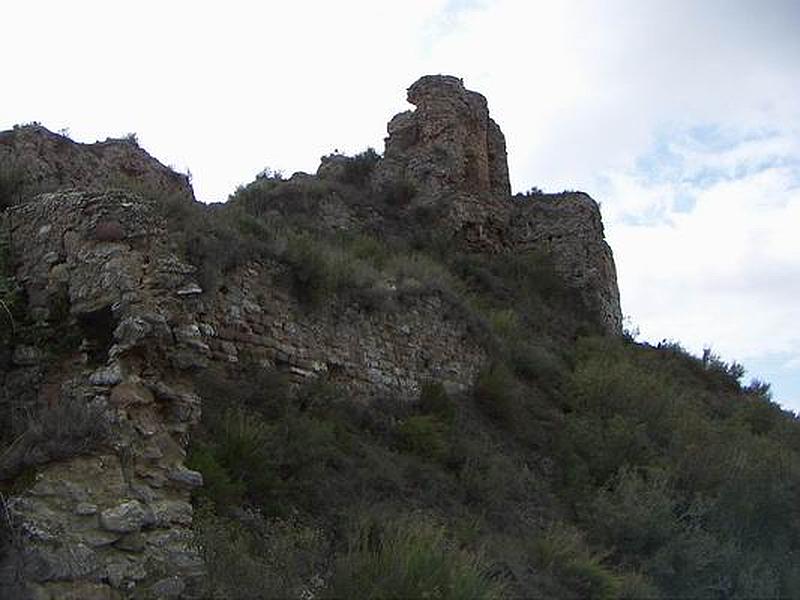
256 320
116 522
569 228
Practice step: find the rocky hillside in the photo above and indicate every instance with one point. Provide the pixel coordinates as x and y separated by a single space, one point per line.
393 361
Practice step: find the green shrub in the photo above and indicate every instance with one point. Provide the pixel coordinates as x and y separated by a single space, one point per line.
635 586
214 239
243 442
434 400
258 558
358 169
70 427
538 364
271 451
561 550
312 278
505 322
218 485
494 481
528 282
321 270
730 373
757 413
423 435
238 460
410 558
367 248
251 387
418 270
497 395
636 513
591 578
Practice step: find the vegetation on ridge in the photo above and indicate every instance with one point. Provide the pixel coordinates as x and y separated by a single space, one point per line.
577 466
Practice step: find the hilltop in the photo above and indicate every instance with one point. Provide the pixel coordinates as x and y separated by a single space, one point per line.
391 361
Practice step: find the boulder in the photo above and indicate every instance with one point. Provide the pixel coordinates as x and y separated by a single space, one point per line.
126 517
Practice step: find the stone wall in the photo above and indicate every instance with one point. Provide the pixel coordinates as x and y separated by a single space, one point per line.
569 228
116 522
450 150
392 352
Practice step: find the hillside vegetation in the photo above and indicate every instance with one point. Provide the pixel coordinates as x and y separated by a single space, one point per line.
578 465
574 465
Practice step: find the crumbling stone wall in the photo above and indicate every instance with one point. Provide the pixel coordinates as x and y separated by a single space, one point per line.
257 321
569 228
117 522
449 143
450 150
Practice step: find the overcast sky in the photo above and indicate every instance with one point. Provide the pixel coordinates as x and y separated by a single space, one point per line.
682 118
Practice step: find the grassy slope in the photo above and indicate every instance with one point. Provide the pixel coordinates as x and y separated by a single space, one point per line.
578 466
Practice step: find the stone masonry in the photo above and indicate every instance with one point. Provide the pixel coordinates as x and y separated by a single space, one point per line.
114 523
449 143
117 523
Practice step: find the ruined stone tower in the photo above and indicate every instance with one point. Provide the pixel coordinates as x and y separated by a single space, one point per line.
453 154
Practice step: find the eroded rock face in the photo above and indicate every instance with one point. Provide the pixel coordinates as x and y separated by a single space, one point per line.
43 161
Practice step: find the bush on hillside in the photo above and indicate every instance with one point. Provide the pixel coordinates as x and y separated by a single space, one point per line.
409 558
434 400
258 558
12 180
423 435
70 427
497 395
312 278
562 551
359 168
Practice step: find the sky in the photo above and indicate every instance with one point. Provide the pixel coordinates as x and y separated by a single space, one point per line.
681 118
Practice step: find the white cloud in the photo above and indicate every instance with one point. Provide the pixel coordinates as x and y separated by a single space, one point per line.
726 273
